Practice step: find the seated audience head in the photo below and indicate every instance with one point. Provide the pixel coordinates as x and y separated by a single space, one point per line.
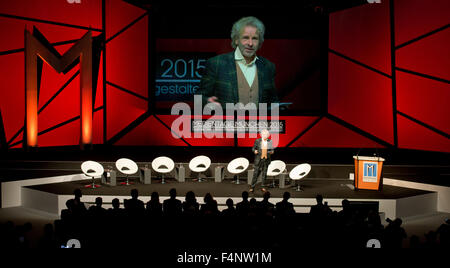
190 197
134 193
116 203
345 204
77 193
98 201
173 193
319 199
69 204
230 203
208 198
244 195
155 197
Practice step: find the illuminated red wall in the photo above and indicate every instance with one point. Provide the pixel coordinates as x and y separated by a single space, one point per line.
381 92
396 90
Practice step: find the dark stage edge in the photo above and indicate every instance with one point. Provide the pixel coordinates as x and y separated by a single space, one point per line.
328 188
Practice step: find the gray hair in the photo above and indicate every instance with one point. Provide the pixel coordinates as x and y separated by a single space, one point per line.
247 21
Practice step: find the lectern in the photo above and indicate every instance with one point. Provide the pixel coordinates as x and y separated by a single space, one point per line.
368 172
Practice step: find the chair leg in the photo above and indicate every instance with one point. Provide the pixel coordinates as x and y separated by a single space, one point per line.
237 179
298 188
93 185
127 182
272 185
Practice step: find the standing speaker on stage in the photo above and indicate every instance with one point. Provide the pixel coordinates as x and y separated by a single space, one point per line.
263 149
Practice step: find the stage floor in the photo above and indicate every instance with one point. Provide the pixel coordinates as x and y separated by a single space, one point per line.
328 188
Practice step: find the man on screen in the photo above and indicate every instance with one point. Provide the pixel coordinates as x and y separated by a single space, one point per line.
241 75
263 149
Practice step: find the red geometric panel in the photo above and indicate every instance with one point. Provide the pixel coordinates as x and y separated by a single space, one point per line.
18 138
295 58
14 30
430 55
150 133
304 92
66 105
327 133
97 135
99 91
361 97
424 99
12 92
414 18
16 146
87 13
192 140
362 33
294 126
127 59
118 15
68 134
414 136
122 109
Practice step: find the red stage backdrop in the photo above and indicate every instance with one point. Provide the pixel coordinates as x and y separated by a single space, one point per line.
388 78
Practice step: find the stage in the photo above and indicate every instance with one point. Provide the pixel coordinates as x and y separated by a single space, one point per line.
398 198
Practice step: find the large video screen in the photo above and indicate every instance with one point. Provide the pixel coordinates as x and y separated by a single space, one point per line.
181 64
189 37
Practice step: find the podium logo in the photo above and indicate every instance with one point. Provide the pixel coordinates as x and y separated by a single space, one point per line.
370 172
72 243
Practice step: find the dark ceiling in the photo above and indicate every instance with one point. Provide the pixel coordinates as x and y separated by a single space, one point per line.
213 19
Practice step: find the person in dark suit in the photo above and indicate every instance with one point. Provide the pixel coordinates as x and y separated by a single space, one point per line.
210 206
284 207
172 206
154 207
240 76
266 208
242 207
134 206
263 149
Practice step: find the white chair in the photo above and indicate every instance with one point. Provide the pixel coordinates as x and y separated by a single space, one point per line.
127 167
298 173
200 164
163 165
237 166
93 170
275 168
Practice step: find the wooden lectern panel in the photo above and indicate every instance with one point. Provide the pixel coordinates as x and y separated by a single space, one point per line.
368 172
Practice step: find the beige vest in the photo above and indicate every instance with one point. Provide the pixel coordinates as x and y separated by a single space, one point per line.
263 150
247 93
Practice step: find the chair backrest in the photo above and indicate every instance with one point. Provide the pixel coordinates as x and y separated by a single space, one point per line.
238 165
92 169
200 163
275 168
300 171
127 166
163 164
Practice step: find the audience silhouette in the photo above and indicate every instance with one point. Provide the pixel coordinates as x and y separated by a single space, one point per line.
174 224
172 206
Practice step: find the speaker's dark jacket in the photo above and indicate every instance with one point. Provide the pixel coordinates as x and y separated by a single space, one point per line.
220 80
257 146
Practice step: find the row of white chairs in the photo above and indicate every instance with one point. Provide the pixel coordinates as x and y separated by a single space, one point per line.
198 164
